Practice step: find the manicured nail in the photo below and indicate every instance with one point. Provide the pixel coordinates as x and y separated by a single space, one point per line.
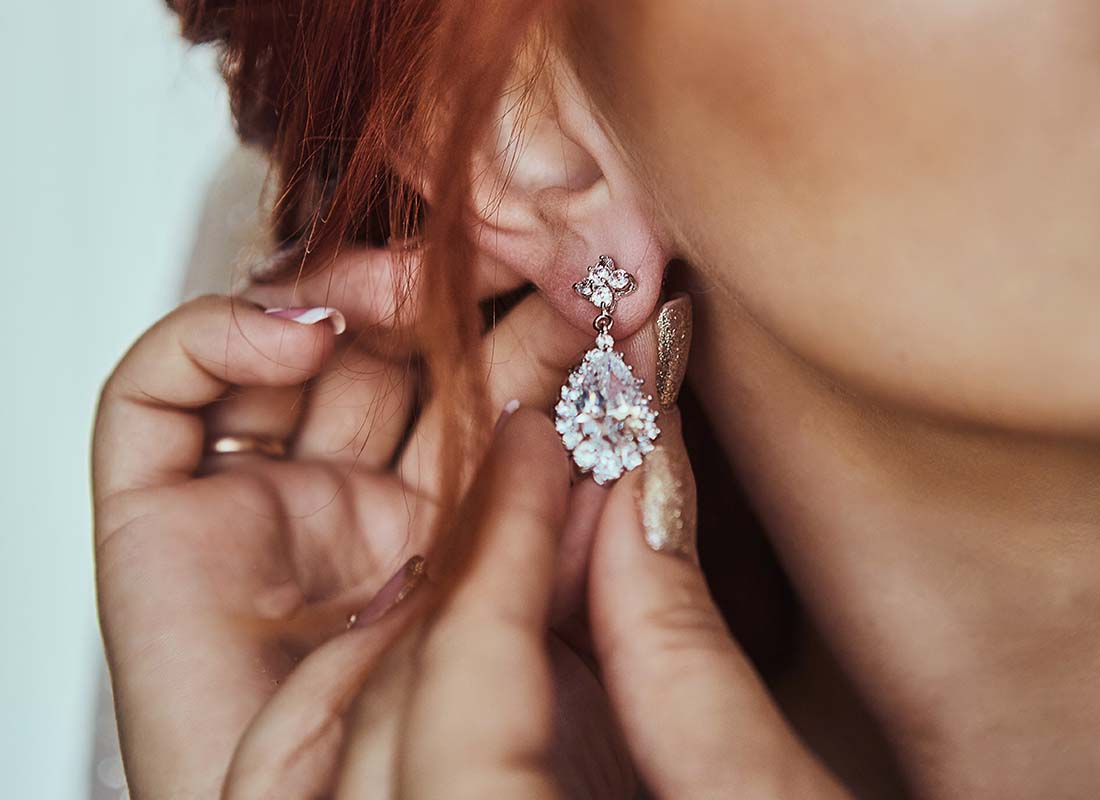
509 409
391 594
311 316
673 344
666 501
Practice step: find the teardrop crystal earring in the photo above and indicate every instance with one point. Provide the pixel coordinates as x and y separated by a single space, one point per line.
604 419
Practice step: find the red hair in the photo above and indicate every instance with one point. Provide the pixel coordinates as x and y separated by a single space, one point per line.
349 97
342 92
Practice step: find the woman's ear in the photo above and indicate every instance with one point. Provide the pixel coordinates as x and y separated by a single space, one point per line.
553 193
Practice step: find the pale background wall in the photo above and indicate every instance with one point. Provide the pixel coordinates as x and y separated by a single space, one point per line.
110 129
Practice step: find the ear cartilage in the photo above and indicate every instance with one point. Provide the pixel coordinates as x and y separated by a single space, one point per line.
604 418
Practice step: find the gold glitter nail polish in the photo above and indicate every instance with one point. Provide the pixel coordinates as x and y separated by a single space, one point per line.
673 345
666 501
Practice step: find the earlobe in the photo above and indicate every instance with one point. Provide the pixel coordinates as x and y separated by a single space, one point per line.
555 193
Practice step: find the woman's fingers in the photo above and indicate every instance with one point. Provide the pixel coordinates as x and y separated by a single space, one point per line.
374 287
524 358
658 354
356 412
697 718
269 413
377 288
481 722
148 431
293 746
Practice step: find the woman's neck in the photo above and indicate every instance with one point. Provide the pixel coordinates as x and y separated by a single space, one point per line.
954 570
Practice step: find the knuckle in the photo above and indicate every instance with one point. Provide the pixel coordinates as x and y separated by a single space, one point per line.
130 514
217 500
108 391
119 510
203 303
675 636
121 384
689 625
203 307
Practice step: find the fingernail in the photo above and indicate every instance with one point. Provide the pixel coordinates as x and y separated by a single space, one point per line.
666 501
311 316
673 345
391 594
509 409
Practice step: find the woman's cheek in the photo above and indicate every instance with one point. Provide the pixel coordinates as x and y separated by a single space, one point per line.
902 194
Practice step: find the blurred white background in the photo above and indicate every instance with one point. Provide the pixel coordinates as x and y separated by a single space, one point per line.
111 130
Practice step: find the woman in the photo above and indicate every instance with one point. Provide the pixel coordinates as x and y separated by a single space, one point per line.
883 217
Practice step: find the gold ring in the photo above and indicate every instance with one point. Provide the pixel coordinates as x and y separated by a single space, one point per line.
267 446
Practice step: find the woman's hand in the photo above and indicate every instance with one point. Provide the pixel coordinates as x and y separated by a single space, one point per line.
212 589
480 717
698 720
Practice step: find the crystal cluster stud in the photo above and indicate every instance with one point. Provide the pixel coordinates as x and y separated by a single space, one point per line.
604 418
605 284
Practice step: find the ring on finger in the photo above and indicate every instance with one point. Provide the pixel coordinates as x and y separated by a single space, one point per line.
268 446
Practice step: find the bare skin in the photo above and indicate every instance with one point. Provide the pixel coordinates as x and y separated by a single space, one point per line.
887 215
225 586
952 569
890 215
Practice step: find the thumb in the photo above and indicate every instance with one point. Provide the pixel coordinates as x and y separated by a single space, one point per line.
698 720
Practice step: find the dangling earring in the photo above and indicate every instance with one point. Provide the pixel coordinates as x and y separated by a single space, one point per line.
603 417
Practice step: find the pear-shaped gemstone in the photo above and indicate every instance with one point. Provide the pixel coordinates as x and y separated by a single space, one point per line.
603 417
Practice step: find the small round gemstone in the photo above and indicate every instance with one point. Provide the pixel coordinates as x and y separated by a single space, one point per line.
571 439
619 279
631 457
586 455
608 467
